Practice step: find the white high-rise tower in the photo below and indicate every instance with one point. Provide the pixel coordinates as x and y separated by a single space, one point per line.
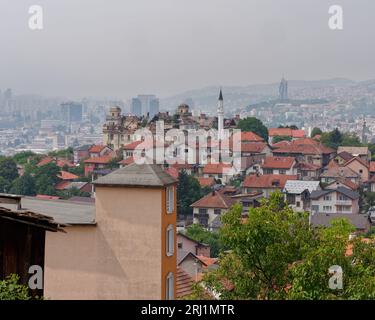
220 116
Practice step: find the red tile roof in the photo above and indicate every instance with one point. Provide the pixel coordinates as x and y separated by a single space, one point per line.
267 181
96 148
298 133
216 168
305 141
207 261
63 162
346 182
206 182
173 172
99 160
250 137
133 145
372 166
44 161
280 132
184 284
278 162
253 147
295 148
62 185
64 175
126 161
214 200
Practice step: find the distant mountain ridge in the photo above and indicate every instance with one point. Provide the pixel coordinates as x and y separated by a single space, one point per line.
242 96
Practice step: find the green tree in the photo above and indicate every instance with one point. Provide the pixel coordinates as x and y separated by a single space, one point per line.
23 157
315 132
4 185
188 191
198 233
254 125
10 289
277 139
8 169
24 185
275 254
351 140
332 139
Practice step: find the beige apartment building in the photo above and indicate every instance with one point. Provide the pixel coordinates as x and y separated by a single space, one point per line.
128 251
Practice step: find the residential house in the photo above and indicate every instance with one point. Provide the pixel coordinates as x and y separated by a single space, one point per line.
96 151
219 171
308 171
195 265
343 157
266 184
360 221
81 153
187 244
97 163
362 152
206 182
360 167
341 200
252 153
129 249
372 169
342 182
285 132
297 193
306 151
279 165
334 173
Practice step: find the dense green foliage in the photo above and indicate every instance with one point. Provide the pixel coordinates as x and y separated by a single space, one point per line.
10 289
315 132
277 139
188 191
254 125
335 138
276 255
198 233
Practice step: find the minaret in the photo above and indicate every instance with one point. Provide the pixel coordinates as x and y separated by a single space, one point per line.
364 130
220 116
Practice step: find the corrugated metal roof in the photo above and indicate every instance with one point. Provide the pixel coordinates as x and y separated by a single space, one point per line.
298 186
360 221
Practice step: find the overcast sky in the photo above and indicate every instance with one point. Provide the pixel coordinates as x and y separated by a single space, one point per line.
125 47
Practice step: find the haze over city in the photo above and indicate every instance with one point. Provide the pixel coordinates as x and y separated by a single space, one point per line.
165 47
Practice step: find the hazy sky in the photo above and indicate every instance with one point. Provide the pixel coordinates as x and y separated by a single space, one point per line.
124 47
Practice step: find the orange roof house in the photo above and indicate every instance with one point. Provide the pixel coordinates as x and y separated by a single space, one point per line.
206 182
218 168
278 162
64 175
214 200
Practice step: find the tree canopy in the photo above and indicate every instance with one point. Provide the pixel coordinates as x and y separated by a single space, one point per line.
254 125
275 254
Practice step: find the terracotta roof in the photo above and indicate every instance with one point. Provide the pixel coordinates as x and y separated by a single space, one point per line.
184 283
173 172
63 162
372 166
132 145
304 149
126 161
308 166
216 168
354 150
280 144
278 162
100 160
267 181
298 133
346 182
44 161
214 200
251 137
206 182
343 172
64 175
280 132
62 185
207 261
253 147
356 159
96 148
305 141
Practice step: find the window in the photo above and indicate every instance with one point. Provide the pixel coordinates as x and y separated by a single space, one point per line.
282 171
267 171
298 204
169 286
327 198
291 198
327 208
170 240
360 171
217 211
170 199
342 197
202 211
180 245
